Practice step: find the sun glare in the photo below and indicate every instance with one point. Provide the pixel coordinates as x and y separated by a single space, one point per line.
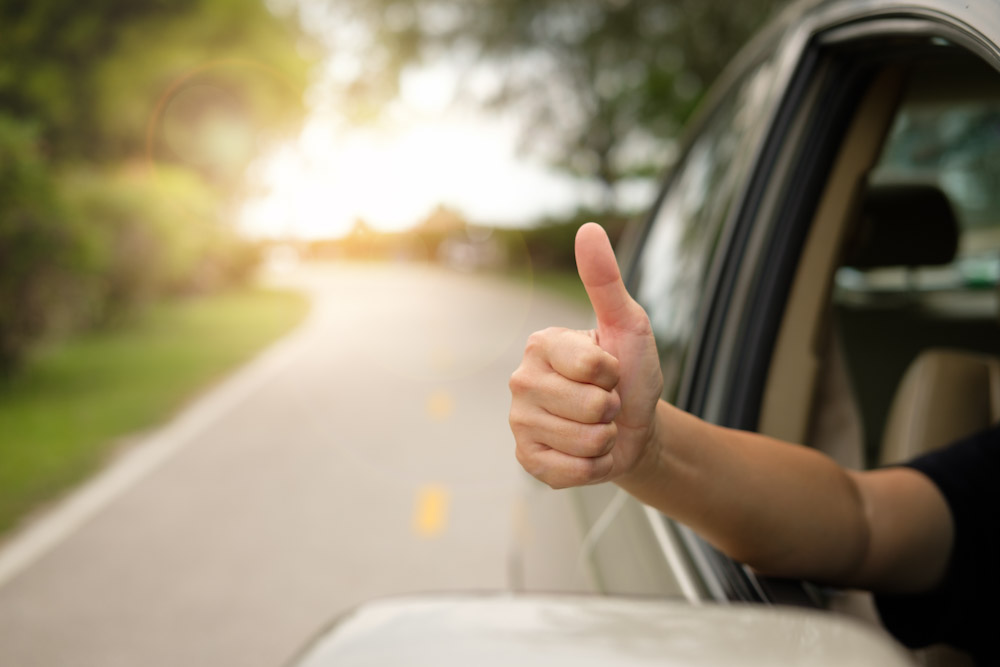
320 184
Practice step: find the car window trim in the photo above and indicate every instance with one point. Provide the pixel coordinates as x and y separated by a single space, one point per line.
929 24
813 38
743 411
737 582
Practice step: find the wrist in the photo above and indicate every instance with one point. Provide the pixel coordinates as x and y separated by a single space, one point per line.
648 465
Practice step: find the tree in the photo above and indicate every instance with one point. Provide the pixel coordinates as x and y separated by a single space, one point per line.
125 128
39 253
93 75
604 84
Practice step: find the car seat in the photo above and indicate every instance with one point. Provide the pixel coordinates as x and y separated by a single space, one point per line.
904 226
941 393
945 395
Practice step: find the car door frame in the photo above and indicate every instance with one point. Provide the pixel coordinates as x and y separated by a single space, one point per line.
726 372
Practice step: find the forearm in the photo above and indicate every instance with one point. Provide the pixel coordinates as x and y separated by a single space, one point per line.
783 509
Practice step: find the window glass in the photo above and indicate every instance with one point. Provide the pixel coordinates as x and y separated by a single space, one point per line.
957 146
916 288
673 264
947 134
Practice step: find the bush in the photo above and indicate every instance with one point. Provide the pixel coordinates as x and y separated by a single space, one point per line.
88 247
159 233
42 257
551 244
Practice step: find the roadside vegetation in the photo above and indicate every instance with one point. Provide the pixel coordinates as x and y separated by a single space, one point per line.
126 127
542 255
67 410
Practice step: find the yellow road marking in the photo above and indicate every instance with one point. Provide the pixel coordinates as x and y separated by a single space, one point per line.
440 405
430 515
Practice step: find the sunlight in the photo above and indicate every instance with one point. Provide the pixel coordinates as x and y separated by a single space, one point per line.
425 151
320 184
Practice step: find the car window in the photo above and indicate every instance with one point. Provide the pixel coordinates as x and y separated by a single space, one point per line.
672 269
944 139
949 139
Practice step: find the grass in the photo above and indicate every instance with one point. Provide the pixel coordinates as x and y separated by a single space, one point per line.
71 406
564 283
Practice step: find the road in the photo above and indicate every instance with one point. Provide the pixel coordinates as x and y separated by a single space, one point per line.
365 455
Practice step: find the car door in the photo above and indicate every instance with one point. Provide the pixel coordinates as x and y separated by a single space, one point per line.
866 72
736 265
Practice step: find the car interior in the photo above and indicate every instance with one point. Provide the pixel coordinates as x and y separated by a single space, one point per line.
891 323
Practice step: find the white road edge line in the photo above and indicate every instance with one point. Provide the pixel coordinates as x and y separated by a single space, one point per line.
68 515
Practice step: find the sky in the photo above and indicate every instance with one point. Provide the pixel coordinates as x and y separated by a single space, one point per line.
427 152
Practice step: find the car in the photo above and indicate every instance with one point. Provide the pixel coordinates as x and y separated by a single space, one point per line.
821 265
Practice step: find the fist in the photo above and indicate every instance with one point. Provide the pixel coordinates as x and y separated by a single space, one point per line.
584 402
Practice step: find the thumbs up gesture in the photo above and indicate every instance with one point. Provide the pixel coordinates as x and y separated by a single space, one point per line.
583 406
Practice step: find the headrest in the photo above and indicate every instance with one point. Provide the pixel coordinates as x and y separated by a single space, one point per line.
907 224
945 395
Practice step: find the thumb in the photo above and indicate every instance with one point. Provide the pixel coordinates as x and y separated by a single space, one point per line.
595 261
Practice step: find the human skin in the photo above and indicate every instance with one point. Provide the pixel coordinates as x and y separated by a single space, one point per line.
586 409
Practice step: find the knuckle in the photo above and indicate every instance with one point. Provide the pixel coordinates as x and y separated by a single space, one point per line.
589 471
521 457
600 469
611 437
599 439
600 406
557 483
593 406
587 364
539 340
614 405
530 463
518 381
517 419
574 473
612 365
541 473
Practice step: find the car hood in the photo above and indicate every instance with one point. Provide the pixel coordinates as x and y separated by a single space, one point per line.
584 631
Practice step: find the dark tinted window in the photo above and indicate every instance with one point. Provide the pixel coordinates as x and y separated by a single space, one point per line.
946 135
672 267
929 279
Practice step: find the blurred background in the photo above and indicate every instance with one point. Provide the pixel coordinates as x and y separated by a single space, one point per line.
265 268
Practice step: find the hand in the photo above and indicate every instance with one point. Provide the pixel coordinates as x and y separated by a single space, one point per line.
583 406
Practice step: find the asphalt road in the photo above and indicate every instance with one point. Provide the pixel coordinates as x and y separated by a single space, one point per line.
365 455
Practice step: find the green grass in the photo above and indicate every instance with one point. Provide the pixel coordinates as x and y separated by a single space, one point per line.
61 417
564 283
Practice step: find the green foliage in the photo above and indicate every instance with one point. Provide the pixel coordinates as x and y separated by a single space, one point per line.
126 128
551 244
94 74
41 258
48 53
89 246
155 233
212 89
